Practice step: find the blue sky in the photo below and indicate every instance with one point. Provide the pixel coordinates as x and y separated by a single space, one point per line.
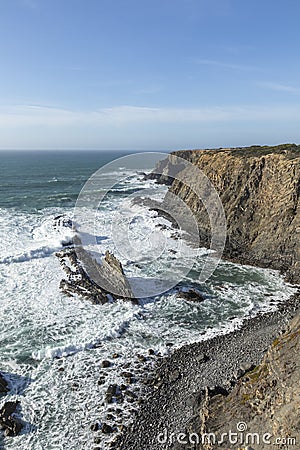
141 74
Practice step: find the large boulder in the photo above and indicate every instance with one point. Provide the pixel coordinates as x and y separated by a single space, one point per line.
9 423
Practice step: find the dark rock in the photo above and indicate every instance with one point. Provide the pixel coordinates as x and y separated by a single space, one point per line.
191 295
112 389
106 364
202 358
107 429
114 393
110 417
217 390
95 426
109 398
244 368
131 394
11 425
62 221
3 385
91 280
129 377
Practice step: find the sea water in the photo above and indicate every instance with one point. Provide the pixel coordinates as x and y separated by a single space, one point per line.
52 346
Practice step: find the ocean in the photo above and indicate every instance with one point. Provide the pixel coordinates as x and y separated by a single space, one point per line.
52 345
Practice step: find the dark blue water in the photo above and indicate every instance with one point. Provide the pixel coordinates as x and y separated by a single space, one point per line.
40 179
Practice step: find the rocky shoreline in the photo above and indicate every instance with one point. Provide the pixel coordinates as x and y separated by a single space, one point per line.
191 390
182 381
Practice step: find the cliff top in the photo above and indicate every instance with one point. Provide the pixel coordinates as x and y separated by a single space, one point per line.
290 150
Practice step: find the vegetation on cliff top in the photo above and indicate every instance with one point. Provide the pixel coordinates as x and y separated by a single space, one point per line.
290 150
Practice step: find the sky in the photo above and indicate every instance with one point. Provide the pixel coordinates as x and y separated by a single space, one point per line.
148 75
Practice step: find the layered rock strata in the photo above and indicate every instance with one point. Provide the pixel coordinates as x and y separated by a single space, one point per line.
259 188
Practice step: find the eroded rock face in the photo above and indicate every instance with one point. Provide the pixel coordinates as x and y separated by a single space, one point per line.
259 188
266 399
98 282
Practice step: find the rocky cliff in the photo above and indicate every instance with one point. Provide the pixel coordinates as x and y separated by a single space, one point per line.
265 402
244 377
259 188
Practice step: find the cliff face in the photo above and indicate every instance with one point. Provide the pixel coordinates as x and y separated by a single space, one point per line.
259 188
266 400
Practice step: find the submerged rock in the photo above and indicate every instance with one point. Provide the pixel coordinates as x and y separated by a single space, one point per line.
191 295
107 429
95 426
106 363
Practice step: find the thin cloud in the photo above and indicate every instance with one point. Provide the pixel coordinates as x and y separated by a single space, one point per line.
225 65
280 87
38 115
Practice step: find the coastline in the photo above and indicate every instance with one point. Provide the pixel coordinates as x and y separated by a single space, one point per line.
168 392
179 382
183 384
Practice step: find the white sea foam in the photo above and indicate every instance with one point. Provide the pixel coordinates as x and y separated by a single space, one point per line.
55 344
42 252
